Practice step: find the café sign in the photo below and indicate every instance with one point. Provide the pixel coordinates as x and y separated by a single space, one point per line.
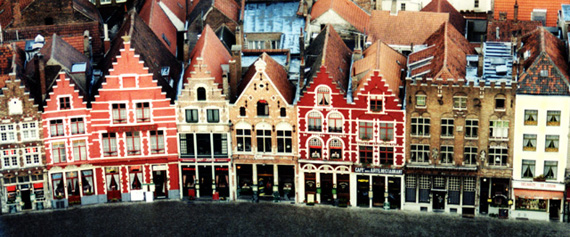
377 171
538 185
135 128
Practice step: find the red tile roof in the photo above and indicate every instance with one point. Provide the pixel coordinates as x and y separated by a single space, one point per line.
276 74
177 7
346 9
158 21
509 27
405 27
449 49
380 56
6 57
6 13
527 6
230 8
209 51
443 6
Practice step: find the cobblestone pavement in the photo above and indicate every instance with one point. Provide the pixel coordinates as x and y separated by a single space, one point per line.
179 218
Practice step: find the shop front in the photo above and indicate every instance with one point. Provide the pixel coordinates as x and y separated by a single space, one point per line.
74 186
494 196
205 180
23 192
378 187
269 182
538 200
325 184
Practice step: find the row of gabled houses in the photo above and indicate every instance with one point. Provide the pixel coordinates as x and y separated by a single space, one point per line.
443 129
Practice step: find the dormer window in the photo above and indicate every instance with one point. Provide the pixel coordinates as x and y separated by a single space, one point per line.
262 108
119 113
143 112
376 104
201 94
323 96
64 103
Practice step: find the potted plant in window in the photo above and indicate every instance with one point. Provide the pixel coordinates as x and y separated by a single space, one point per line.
539 178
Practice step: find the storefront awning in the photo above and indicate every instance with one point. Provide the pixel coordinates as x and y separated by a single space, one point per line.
538 194
38 185
11 188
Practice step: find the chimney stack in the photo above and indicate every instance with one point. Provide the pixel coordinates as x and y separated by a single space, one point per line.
481 59
302 56
106 40
40 69
225 81
235 71
497 33
87 44
516 15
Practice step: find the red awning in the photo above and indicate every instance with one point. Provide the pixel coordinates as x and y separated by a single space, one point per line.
38 185
11 188
539 194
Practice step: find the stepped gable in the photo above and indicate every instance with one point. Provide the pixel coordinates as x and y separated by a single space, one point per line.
443 6
209 51
346 9
276 74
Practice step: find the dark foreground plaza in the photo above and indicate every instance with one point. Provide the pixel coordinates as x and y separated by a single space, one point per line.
178 218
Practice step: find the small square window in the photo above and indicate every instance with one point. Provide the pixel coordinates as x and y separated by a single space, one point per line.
459 102
553 118
529 142
551 143
191 115
544 73
64 103
376 105
421 101
242 111
499 103
213 116
530 117
283 112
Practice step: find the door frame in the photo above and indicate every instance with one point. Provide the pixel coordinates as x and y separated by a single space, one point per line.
436 199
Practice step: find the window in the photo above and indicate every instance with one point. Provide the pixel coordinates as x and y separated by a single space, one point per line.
57 185
186 145
470 155
538 15
498 156
14 106
262 108
191 115
365 130
403 7
220 142
529 142
421 100
551 143
468 191
213 115
165 39
530 117
284 141
56 127
109 144
315 148
242 111
499 129
77 126
29 131
447 127
314 122
263 140
64 103
335 122
7 133
386 155
425 188
243 140
335 149
133 143
119 113
500 102
10 158
447 155
550 169
136 177
143 112
460 102
283 112
476 4
323 96
553 118
58 152
544 73
420 153
32 156
365 154
471 128
79 150
375 104
87 182
420 126
454 190
201 94
411 183
203 145
156 142
528 167
386 132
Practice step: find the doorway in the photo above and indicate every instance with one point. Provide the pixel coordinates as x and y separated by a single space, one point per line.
287 182
205 175
362 190
326 189
159 180
484 195
438 201
554 209
25 194
378 189
394 192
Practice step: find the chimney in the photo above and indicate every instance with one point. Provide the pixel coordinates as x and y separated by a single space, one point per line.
481 58
497 33
239 36
225 80
40 69
516 15
394 9
302 56
235 71
106 40
87 44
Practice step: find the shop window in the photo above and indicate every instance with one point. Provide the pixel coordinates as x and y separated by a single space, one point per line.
213 115
7 133
186 145
201 94
469 191
470 155
243 140
365 130
29 131
136 177
315 122
284 141
420 126
386 155
421 100
191 115
157 142
133 143
143 112
553 118
471 128
551 143
64 103
263 140
315 148
56 127
79 150
530 117
58 152
529 142
323 96
499 129
335 122
119 113
530 204
386 132
242 111
203 145
460 102
72 183
425 188
411 182
447 128
10 158
446 155
109 141
57 185
365 154
77 126
283 112
113 180
262 108
220 142
550 169
87 182
375 104
498 156
528 167
454 190
32 156
335 149
419 153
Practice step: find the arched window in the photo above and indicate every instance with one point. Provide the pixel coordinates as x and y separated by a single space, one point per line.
335 122
262 108
315 122
335 149
323 96
201 94
315 148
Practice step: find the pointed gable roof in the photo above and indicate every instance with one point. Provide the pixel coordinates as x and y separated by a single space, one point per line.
229 8
328 50
443 6
380 56
508 28
445 55
527 6
346 9
209 51
276 74
157 19
540 47
404 28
